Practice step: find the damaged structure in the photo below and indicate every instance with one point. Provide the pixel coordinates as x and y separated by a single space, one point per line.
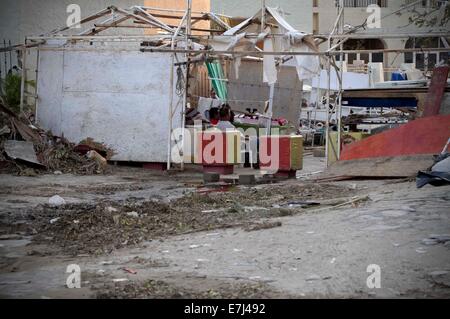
132 92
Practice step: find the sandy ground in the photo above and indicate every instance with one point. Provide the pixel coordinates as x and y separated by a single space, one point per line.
306 251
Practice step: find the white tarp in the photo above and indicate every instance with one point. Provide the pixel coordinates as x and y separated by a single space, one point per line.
294 41
351 80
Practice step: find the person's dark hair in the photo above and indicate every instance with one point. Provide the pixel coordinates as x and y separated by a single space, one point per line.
227 108
214 113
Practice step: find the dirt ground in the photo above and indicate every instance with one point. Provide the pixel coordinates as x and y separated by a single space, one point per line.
143 234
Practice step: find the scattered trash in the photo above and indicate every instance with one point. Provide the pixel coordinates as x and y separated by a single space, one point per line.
432 178
103 263
116 219
211 211
111 209
133 214
429 242
442 239
56 201
202 260
333 260
264 225
54 220
57 173
130 271
420 251
438 273
237 250
301 204
313 278
213 234
255 278
439 174
409 209
120 280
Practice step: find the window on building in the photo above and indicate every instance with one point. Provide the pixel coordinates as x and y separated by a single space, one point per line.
362 3
364 44
426 60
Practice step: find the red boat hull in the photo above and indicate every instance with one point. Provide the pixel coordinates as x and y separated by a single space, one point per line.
423 136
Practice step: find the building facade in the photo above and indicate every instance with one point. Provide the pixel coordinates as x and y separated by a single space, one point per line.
319 16
395 19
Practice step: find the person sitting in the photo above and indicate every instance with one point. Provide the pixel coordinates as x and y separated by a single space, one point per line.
214 116
225 119
228 107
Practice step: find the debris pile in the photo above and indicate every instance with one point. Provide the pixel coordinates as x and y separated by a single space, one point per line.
26 149
106 226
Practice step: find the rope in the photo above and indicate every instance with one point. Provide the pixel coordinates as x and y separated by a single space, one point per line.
180 82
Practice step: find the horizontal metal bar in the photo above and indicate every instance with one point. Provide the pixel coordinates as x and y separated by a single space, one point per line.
386 35
284 53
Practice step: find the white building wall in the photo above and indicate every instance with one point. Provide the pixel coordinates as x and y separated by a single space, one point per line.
120 98
21 18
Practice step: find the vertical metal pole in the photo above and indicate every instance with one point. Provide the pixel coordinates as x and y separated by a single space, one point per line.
263 15
38 54
10 54
24 74
341 71
327 124
1 67
171 93
187 57
318 95
6 57
270 110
